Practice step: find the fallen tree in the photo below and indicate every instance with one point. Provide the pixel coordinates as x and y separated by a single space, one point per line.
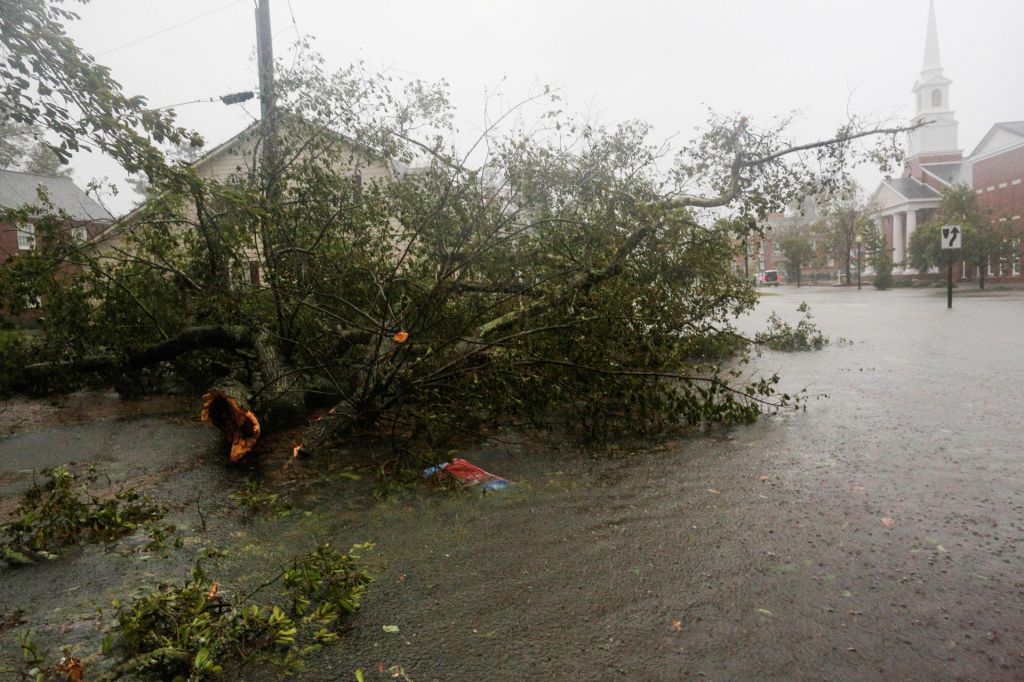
562 277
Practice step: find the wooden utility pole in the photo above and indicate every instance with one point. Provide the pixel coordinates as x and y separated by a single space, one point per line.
268 156
268 113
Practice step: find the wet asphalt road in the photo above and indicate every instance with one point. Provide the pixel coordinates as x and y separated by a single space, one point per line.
875 536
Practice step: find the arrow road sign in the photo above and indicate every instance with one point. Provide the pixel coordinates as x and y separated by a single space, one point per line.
952 237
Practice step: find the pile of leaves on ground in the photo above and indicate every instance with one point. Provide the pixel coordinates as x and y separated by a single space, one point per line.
194 631
197 630
780 335
61 511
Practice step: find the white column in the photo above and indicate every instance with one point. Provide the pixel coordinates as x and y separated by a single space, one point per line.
911 226
898 237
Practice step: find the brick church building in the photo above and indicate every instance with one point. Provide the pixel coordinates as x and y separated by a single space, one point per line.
935 162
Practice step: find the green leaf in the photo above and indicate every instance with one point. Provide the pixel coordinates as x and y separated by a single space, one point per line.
16 558
391 629
202 659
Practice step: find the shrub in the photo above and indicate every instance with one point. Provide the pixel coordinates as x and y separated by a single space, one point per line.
782 336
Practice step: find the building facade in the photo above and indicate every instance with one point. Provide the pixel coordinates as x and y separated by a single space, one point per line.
935 162
44 194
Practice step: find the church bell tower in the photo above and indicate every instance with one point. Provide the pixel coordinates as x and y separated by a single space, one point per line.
937 140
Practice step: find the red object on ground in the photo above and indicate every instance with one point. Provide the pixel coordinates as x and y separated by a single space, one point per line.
467 474
464 471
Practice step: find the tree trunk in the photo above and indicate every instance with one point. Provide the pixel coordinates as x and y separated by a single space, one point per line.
981 273
227 407
280 399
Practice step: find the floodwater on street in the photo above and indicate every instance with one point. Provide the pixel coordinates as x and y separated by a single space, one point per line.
875 535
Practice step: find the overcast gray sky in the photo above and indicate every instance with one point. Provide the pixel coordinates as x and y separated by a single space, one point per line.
660 61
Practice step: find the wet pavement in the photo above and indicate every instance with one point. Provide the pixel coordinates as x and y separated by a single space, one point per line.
874 536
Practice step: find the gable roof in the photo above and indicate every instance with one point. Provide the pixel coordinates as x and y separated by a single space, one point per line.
19 189
1014 128
397 167
226 144
911 189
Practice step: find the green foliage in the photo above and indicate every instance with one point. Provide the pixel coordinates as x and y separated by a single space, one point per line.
193 632
61 511
14 355
881 261
846 219
49 83
984 239
780 335
325 585
798 252
569 280
251 499
21 150
187 632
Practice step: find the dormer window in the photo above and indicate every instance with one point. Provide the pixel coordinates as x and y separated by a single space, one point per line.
936 98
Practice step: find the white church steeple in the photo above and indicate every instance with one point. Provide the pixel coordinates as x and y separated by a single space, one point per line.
931 92
931 43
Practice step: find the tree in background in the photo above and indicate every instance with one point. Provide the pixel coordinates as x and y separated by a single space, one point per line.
984 239
845 217
878 253
21 149
798 252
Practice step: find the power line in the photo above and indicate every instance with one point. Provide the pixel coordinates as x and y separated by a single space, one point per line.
169 28
294 24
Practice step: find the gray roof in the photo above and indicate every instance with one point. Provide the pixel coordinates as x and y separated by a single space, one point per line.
1013 126
20 189
947 172
911 189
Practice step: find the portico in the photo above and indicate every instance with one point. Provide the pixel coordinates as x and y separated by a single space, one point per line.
898 215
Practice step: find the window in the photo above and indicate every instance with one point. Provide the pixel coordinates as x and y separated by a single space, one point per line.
254 272
1015 258
79 234
936 98
26 236
357 185
989 268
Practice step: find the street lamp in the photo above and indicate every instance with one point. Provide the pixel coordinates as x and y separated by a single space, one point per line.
859 239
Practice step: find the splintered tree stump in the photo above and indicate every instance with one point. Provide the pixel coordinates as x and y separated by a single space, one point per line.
227 407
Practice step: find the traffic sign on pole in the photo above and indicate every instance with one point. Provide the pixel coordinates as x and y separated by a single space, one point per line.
952 237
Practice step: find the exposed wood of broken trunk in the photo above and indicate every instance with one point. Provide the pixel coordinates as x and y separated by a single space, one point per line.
227 407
